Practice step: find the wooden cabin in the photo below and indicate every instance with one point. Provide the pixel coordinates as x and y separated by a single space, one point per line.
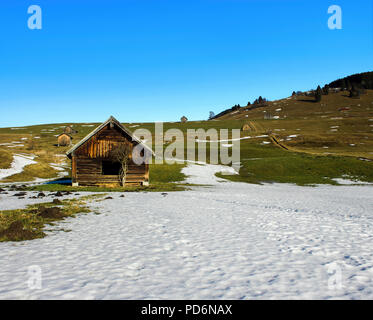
183 119
70 130
92 164
246 127
64 139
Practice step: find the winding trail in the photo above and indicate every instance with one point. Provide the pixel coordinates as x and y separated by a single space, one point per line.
256 127
277 143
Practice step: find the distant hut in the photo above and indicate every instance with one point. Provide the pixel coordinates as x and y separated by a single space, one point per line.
268 116
183 119
92 162
64 139
70 130
246 127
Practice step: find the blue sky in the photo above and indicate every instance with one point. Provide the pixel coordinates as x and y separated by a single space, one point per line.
156 60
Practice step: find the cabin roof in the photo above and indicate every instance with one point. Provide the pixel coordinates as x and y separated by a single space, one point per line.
120 126
66 134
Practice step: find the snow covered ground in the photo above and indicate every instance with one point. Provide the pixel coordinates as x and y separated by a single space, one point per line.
19 162
228 241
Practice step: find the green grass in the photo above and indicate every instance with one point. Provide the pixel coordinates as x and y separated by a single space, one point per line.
39 170
271 164
6 159
306 163
30 223
154 187
164 173
163 177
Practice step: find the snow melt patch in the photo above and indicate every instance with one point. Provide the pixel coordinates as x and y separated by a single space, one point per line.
345 181
19 162
227 140
16 146
57 167
205 174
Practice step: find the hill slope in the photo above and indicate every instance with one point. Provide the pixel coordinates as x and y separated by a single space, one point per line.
292 140
337 125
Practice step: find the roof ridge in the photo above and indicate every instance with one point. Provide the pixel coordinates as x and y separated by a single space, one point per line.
92 133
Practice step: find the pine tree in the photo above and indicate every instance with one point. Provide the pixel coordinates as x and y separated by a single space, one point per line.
318 94
348 85
343 84
354 92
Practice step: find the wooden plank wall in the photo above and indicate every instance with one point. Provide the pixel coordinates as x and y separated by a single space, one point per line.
64 140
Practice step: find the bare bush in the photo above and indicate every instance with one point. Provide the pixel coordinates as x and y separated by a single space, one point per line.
121 154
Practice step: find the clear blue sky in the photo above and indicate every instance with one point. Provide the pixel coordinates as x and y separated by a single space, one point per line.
156 60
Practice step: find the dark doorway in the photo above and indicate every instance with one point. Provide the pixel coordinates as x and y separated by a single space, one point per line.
110 168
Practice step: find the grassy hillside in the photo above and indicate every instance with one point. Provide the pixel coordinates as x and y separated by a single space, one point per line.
309 142
41 141
338 125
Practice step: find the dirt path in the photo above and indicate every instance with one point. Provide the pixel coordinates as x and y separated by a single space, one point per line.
277 143
256 127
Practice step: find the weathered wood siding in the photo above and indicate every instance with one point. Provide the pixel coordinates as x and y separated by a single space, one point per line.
64 140
90 155
69 130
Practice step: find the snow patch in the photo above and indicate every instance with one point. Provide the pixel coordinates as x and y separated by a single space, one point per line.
205 174
15 146
19 162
